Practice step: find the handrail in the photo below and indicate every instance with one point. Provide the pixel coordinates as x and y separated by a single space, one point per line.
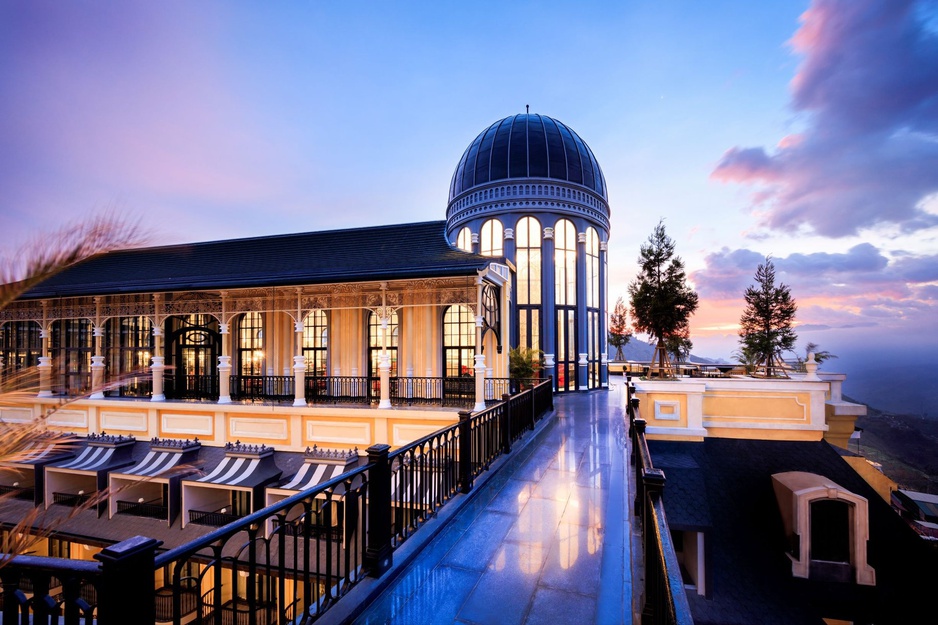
295 558
664 601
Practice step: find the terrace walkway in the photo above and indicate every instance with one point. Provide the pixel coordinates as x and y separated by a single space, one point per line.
548 539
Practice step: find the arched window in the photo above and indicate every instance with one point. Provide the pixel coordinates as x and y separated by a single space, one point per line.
464 240
129 348
593 319
375 344
528 260
251 344
566 347
565 263
193 343
459 339
315 343
492 238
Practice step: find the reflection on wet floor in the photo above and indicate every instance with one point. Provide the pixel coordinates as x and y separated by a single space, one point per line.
546 540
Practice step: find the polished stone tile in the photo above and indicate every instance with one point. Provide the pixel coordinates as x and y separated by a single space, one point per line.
440 597
480 541
507 586
574 562
558 607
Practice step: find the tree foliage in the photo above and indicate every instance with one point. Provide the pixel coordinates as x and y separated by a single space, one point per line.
524 363
662 302
619 335
767 324
819 356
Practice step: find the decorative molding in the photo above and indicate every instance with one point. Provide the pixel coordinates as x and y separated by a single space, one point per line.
69 418
190 424
348 433
404 433
130 421
667 410
269 428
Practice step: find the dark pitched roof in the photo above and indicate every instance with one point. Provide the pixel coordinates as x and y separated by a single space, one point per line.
417 250
728 483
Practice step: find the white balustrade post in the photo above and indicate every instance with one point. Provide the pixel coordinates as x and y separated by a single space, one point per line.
384 370
299 381
480 382
97 366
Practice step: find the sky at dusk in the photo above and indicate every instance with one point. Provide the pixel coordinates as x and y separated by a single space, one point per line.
802 130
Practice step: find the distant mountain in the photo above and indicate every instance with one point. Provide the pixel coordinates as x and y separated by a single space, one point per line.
640 351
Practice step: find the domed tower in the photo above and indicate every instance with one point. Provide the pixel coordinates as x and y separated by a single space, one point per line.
529 188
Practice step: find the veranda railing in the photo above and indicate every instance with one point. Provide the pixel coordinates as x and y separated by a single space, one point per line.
289 562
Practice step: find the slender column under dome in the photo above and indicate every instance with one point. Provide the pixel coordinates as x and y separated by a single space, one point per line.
582 319
45 366
603 302
97 365
548 311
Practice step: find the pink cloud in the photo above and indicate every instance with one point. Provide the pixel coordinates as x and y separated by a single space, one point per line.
868 156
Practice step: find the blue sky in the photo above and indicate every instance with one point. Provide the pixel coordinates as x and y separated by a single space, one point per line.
804 130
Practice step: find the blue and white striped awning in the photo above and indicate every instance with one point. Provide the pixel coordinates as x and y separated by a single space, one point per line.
231 471
154 463
37 452
92 458
312 474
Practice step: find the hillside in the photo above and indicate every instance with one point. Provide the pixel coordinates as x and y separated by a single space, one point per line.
640 351
905 445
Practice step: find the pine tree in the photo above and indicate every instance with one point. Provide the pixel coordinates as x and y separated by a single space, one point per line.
662 303
619 335
766 326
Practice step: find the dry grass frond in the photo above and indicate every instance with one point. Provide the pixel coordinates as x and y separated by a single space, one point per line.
45 256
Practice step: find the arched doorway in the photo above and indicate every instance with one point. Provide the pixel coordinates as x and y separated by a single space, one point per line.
193 343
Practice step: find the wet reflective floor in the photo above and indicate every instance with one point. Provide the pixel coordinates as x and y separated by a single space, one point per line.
546 540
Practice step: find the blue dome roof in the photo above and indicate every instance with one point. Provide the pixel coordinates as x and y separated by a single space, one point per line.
527 146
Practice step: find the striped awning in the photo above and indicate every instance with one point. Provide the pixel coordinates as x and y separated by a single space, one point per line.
37 452
312 474
91 458
154 463
408 487
246 472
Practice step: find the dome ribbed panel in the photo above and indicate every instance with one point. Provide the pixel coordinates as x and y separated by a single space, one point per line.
527 146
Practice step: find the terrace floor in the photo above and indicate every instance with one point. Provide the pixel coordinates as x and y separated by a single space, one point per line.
547 539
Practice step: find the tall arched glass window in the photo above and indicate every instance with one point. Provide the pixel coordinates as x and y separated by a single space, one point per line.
464 240
565 300
565 263
315 343
492 238
251 344
528 261
594 335
459 339
375 346
129 348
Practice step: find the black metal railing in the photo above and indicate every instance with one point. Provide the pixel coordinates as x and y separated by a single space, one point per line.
664 600
148 509
181 386
214 518
16 492
289 562
262 387
72 499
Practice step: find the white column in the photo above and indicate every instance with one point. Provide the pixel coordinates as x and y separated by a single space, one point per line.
299 368
384 370
224 368
45 366
97 365
157 367
480 382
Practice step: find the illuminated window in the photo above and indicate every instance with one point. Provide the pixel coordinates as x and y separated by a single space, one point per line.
492 238
459 338
72 347
565 263
464 240
20 345
528 260
129 348
315 343
251 344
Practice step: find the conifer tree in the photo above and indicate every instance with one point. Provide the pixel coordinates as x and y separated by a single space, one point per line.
766 326
662 302
619 335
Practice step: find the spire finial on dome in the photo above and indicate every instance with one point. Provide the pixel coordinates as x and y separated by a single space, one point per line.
527 109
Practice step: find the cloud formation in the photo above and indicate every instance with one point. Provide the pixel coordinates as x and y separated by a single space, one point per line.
864 287
868 155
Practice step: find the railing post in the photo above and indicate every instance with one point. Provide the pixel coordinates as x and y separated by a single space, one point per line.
638 434
127 584
505 424
551 394
378 555
465 451
653 485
